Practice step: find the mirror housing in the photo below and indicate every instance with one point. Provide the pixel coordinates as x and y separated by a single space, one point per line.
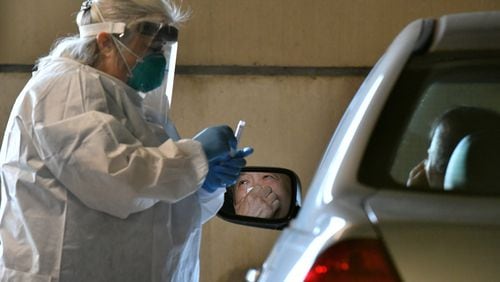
270 177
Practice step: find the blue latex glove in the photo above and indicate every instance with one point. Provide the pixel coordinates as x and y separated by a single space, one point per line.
225 171
217 141
243 152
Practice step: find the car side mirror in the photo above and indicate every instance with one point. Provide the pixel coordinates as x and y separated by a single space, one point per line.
266 197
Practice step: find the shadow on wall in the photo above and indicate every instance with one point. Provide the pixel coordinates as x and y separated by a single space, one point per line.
11 85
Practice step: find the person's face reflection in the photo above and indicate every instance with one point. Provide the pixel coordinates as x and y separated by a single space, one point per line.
278 182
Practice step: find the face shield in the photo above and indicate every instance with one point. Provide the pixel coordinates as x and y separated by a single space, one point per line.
164 43
153 75
154 44
157 102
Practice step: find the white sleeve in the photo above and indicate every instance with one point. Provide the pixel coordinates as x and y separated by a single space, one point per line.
107 168
210 203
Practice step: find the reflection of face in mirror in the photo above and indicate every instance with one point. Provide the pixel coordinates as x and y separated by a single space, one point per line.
262 194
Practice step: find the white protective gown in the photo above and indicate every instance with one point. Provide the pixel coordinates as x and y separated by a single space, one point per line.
93 192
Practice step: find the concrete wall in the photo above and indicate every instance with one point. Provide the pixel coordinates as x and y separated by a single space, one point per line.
290 118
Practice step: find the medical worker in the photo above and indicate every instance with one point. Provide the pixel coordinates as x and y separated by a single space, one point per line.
96 184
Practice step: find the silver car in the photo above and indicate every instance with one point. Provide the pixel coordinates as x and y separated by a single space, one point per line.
367 216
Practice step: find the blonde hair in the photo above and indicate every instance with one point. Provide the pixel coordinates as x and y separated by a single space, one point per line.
84 49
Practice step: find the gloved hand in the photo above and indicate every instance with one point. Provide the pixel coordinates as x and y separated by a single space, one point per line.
242 153
217 141
258 202
225 171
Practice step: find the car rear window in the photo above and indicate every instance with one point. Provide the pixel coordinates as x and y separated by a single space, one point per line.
429 86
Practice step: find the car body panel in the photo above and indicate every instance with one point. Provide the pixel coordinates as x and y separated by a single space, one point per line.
467 31
292 259
432 236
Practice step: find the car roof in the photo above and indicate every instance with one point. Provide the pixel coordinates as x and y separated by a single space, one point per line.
467 31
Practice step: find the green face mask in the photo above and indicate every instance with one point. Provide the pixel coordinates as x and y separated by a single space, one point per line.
148 74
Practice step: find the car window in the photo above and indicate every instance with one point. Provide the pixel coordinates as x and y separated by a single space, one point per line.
429 87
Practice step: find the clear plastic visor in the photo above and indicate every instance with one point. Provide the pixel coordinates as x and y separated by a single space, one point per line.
158 101
161 39
145 37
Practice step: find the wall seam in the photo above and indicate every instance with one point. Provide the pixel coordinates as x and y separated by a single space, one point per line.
235 70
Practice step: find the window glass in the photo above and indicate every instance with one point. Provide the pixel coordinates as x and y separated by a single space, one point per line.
429 87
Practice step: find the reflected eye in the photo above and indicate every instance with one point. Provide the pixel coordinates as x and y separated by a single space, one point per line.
243 182
270 177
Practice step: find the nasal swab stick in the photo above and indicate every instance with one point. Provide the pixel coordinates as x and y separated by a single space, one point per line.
237 135
239 130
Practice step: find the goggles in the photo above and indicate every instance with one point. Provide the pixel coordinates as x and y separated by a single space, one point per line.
155 35
158 34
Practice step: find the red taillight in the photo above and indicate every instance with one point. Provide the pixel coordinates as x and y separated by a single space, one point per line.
353 260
